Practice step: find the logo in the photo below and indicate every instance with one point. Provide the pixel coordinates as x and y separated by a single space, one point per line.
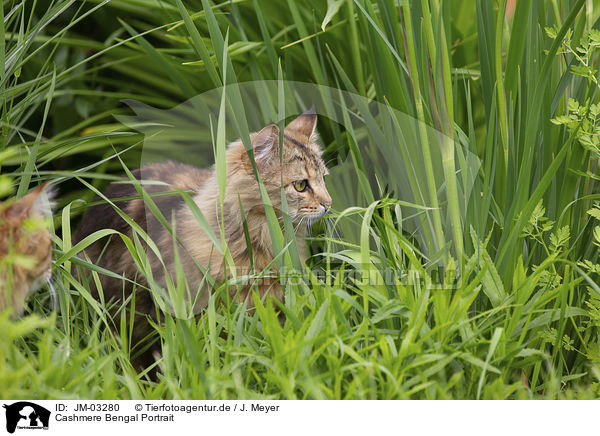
26 415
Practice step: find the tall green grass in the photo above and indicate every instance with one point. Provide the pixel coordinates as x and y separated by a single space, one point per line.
497 300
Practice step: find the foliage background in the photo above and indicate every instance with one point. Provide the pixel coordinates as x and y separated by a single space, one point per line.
498 77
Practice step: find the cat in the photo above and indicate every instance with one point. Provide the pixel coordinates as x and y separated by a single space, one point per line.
301 166
25 251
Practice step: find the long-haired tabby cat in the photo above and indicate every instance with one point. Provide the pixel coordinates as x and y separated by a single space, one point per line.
300 166
25 249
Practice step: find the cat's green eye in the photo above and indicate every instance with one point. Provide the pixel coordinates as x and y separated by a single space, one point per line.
300 185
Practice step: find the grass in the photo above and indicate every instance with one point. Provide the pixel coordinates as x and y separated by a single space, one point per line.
493 290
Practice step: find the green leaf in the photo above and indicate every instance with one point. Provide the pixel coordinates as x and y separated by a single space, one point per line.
561 119
550 31
492 284
595 212
333 7
560 238
234 49
597 235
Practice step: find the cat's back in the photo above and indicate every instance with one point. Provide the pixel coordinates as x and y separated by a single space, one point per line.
183 176
171 174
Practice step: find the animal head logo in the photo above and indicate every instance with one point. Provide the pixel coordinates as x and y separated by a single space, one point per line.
26 415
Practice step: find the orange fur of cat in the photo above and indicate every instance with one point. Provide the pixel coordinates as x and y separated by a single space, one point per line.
17 282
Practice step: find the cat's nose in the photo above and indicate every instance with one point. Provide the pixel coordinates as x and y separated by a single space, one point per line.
326 203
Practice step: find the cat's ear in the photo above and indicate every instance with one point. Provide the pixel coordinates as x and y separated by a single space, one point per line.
304 125
265 144
21 208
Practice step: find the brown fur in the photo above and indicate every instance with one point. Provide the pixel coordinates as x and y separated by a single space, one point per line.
25 255
301 160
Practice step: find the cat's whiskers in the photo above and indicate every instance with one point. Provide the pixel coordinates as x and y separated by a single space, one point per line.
299 225
333 232
309 229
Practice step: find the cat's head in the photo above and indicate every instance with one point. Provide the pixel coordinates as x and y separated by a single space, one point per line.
25 243
300 163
